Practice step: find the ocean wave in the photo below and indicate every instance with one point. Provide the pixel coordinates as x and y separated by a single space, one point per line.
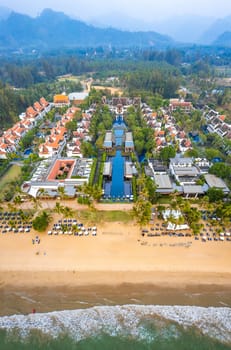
128 320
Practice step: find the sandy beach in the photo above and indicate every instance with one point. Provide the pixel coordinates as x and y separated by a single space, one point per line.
118 266
118 254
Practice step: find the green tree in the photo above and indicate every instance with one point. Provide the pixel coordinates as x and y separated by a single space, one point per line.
41 222
221 170
142 211
87 149
167 152
215 194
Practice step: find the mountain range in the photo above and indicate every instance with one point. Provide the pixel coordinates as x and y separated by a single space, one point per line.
186 29
53 29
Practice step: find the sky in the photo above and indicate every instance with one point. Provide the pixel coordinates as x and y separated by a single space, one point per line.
150 10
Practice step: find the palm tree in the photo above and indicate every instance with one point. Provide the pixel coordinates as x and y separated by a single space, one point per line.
36 202
58 208
17 200
142 211
61 192
68 212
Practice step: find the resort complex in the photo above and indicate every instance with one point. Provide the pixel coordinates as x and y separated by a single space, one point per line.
115 177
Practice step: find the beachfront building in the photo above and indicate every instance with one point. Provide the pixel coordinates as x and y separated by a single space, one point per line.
157 167
193 190
53 174
216 182
183 170
163 183
202 165
186 175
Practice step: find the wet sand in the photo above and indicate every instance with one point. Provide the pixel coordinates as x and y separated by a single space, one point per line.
22 300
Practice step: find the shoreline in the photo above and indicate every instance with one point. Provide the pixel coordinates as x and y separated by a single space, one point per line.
117 266
45 294
170 279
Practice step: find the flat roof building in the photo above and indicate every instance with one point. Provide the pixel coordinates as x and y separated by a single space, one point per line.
108 141
107 170
129 144
129 170
62 172
163 183
214 181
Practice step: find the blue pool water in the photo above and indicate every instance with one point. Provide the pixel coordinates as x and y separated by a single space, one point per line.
216 160
28 151
117 185
119 134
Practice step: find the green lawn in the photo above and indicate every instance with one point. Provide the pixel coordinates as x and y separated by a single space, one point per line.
105 216
12 174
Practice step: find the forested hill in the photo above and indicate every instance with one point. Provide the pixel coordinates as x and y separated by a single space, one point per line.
224 40
55 29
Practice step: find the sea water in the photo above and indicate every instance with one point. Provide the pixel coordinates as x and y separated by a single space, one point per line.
120 327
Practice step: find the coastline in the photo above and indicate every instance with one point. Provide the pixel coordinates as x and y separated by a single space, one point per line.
23 292
118 266
164 279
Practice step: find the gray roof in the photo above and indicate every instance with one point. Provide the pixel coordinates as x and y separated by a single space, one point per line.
163 181
129 140
186 171
130 169
214 181
107 170
128 136
77 95
70 191
108 139
178 160
193 189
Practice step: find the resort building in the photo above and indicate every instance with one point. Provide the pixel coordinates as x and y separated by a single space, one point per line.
108 141
183 170
177 104
163 183
55 142
214 181
216 124
51 175
107 170
10 139
157 167
77 98
193 190
129 170
129 144
61 100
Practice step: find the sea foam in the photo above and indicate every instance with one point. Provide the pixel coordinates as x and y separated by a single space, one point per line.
122 320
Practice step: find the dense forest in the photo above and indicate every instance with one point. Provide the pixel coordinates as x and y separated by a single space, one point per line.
153 75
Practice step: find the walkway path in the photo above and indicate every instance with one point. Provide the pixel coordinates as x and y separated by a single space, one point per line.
50 204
